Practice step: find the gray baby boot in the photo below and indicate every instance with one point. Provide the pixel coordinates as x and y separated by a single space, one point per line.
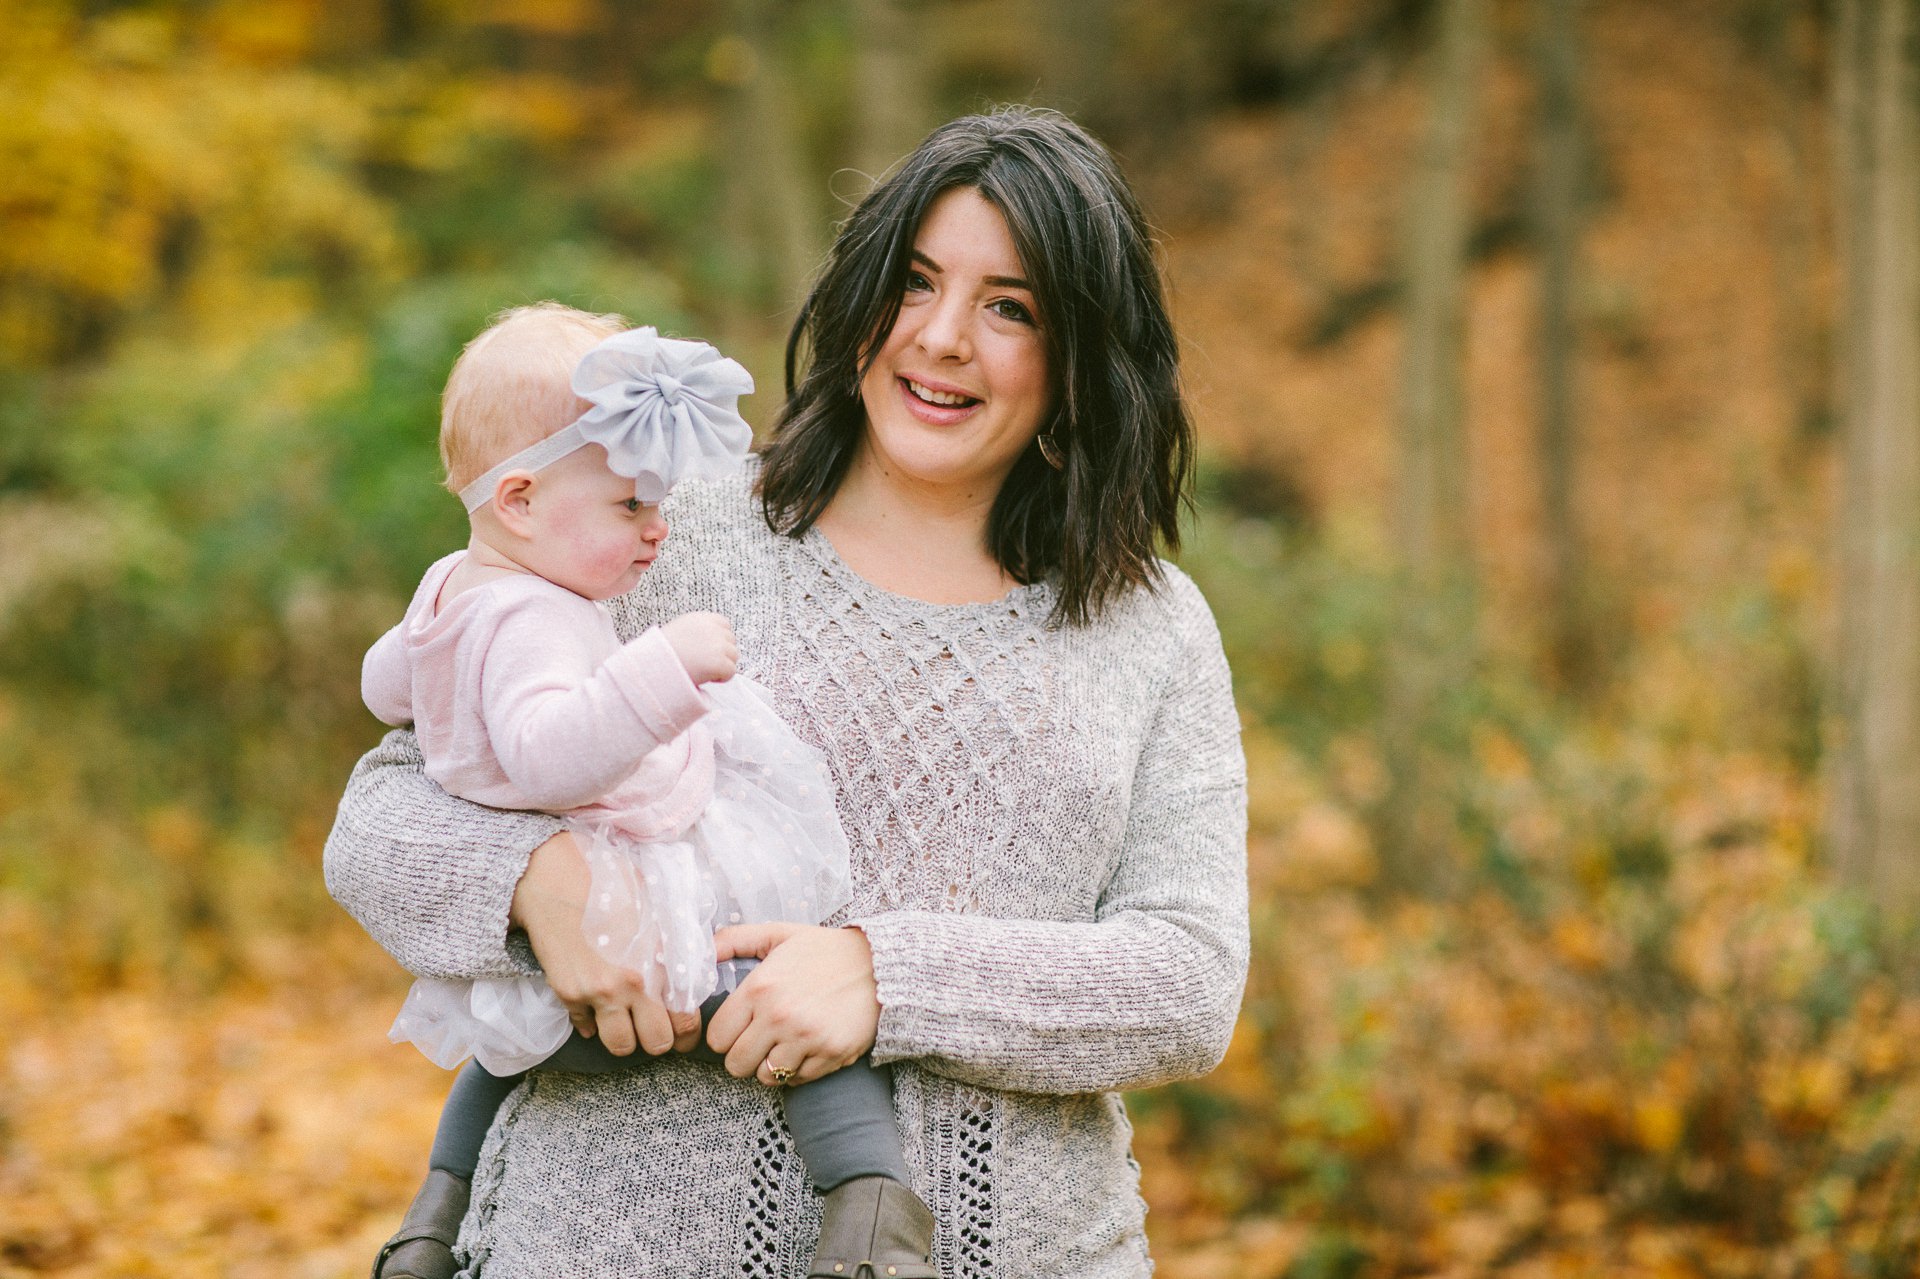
423 1246
874 1228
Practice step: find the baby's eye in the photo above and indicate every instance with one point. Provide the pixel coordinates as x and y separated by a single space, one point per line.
633 505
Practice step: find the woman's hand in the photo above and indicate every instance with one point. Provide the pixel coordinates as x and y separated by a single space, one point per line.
810 1007
601 998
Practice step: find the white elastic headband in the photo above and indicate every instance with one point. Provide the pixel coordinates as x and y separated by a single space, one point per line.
535 457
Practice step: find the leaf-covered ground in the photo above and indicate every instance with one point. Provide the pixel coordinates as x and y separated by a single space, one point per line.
269 1133
1708 1074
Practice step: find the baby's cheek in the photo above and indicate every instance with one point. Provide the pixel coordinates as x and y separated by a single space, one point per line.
603 555
618 558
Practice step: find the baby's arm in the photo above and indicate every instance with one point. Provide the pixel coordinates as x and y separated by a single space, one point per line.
385 682
566 726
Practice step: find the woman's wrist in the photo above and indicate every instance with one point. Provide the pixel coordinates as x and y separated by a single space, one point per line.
868 982
555 879
866 943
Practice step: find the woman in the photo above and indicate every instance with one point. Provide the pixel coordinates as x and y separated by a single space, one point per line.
943 567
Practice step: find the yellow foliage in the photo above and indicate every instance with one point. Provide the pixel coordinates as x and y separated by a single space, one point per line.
206 162
1697 1075
136 167
1658 1123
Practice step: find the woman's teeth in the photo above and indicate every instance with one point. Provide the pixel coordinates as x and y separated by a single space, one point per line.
946 399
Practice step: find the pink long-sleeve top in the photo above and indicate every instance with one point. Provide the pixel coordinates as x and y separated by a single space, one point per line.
522 697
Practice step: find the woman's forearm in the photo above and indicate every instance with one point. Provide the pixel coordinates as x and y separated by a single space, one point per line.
1030 1005
1038 1006
430 877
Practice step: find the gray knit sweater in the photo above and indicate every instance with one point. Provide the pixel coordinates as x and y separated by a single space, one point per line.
1048 829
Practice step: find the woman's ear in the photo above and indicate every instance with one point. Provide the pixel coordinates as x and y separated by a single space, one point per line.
512 502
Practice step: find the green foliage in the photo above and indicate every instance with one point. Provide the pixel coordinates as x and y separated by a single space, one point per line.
1303 611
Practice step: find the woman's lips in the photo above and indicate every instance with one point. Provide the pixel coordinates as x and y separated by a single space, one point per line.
935 414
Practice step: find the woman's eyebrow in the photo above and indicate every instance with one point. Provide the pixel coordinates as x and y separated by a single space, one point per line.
997 281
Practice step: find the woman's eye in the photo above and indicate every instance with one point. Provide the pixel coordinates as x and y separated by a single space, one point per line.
918 283
1013 310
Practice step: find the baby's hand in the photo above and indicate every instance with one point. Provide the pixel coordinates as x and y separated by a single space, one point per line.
705 646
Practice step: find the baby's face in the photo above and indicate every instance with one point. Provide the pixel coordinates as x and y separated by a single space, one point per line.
589 534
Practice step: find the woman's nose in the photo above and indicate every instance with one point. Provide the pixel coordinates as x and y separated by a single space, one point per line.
945 334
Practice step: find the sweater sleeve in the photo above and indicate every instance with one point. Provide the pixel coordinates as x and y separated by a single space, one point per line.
566 729
429 876
1149 990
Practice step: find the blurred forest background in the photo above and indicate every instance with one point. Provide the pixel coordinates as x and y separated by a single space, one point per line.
1555 363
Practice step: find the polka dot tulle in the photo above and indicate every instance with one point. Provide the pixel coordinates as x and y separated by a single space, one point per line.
767 847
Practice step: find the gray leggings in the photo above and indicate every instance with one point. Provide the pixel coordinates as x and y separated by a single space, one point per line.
842 1125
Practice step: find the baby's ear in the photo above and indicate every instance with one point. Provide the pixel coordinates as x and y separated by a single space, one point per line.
512 502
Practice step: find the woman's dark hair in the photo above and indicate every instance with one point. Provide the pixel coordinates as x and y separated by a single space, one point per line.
1119 421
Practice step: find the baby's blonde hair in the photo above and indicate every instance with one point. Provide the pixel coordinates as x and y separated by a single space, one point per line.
511 385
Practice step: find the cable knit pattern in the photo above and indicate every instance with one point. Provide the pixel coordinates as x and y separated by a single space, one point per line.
1048 830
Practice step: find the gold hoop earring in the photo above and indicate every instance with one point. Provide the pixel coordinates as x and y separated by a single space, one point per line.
1050 450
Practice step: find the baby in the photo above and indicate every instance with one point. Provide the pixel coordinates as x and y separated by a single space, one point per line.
692 802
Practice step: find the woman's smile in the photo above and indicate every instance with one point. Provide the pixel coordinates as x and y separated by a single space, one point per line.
937 402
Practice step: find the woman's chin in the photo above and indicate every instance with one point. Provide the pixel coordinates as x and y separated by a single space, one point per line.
942 462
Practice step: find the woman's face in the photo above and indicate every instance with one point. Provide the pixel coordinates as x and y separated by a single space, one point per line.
960 386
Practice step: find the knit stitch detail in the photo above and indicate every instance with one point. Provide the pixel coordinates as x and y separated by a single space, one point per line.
963 1189
767 1249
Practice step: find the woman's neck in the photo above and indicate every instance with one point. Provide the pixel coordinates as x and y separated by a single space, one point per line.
922 541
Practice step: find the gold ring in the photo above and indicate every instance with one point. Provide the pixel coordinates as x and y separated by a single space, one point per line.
781 1075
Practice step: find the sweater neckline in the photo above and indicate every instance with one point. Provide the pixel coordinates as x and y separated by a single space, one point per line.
1034 597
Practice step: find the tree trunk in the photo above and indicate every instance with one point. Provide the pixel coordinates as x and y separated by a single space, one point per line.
772 220
1799 341
1874 786
1432 645
1310 228
891 94
1558 174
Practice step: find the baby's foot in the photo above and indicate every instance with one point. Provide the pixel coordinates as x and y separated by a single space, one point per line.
874 1228
423 1246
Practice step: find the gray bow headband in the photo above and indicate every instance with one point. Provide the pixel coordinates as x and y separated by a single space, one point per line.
663 408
